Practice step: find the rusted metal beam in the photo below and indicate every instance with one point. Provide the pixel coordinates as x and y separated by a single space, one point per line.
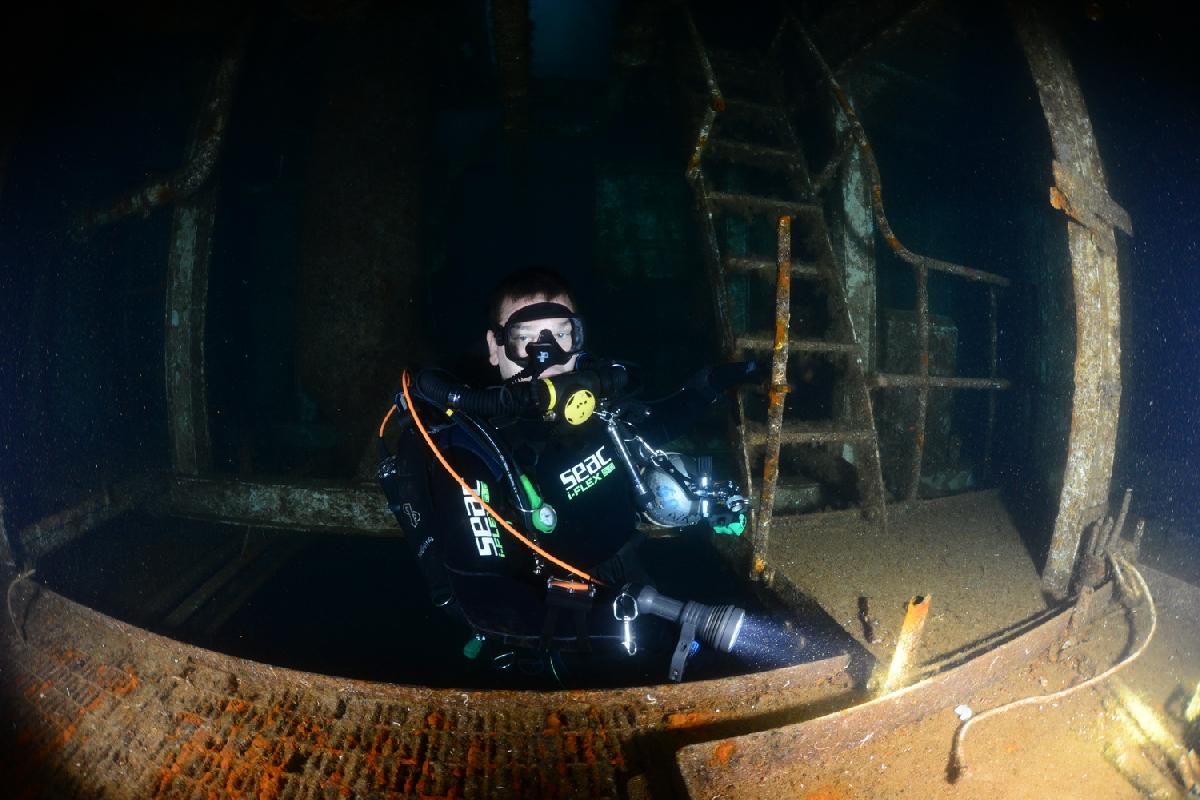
758 764
183 346
50 533
187 271
1074 196
888 31
716 103
887 380
349 507
1083 195
859 135
777 393
204 151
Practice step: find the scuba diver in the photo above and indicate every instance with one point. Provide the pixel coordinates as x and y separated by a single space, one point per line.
521 500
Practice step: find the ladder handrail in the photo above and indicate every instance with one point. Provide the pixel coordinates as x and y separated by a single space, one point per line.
921 264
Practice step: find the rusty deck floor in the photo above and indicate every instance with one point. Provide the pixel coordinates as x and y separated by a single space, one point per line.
97 708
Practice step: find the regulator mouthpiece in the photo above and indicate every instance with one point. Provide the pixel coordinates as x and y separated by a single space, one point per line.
715 626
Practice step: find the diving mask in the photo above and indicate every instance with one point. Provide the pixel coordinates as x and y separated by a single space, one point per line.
541 335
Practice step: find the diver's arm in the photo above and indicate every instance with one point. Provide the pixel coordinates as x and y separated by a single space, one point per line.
674 415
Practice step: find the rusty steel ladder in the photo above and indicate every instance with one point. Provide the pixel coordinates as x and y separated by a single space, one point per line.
801 217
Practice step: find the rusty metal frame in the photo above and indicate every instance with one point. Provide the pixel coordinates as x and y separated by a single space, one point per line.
52 532
922 381
313 506
204 149
192 697
778 392
870 475
265 503
184 322
188 262
757 764
1081 193
326 507
716 266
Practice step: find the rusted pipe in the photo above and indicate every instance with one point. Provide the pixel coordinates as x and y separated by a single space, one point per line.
906 644
778 391
1138 533
1119 528
207 141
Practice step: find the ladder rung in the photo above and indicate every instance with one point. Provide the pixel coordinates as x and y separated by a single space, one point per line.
729 70
719 56
750 153
807 433
767 110
764 343
796 497
772 204
768 268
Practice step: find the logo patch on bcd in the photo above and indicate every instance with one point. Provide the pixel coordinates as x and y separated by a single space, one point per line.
587 473
487 536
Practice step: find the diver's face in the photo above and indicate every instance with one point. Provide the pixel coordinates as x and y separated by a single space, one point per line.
528 332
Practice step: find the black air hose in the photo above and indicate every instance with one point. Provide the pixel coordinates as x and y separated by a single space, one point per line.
605 379
492 401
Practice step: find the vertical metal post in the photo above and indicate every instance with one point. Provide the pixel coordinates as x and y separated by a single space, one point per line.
187 271
993 371
778 391
1081 193
186 310
914 479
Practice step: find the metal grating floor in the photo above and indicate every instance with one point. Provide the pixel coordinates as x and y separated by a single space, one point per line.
102 709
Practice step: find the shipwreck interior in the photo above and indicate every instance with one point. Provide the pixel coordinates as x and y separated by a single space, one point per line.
958 237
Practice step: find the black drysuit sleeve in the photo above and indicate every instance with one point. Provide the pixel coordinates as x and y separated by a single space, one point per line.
674 415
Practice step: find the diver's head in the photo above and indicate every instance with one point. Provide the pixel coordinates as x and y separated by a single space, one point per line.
534 327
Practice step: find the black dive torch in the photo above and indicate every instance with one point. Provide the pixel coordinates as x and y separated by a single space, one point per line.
716 626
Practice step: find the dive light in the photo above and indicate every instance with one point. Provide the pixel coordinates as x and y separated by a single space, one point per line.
716 626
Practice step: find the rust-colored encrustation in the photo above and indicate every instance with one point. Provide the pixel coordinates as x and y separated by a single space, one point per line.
100 708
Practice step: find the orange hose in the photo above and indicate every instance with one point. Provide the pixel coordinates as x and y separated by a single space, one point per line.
383 424
405 380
